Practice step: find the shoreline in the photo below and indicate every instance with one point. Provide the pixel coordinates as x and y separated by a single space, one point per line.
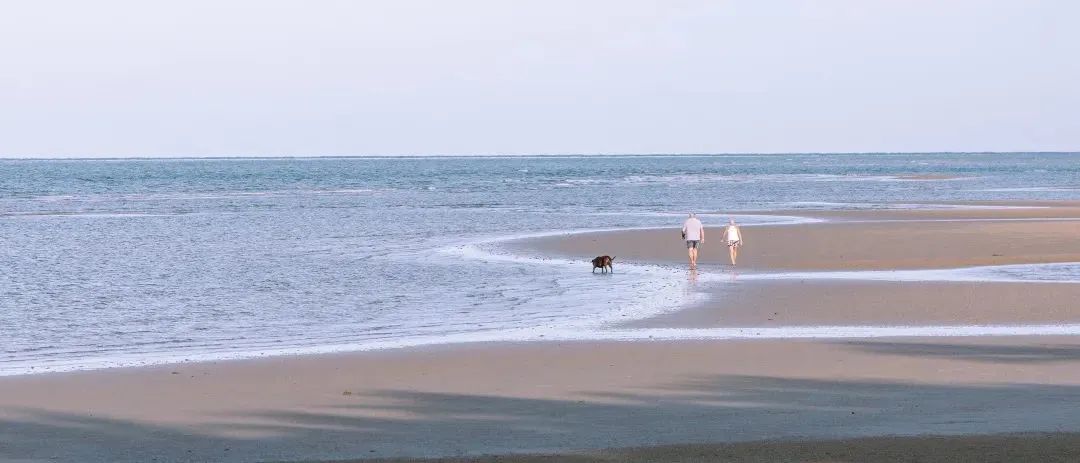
1056 219
664 394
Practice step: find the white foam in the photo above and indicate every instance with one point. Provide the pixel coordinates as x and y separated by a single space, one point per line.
690 178
77 215
656 290
893 206
1068 272
204 195
560 334
744 219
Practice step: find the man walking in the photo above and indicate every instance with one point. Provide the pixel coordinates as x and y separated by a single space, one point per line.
694 234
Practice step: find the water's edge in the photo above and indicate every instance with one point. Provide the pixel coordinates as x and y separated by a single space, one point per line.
659 293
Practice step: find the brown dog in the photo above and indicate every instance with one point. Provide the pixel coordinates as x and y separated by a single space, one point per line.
603 263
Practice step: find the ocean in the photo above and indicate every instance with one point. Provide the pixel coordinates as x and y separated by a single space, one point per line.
107 263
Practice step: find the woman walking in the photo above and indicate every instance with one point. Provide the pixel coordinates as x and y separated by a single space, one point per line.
733 236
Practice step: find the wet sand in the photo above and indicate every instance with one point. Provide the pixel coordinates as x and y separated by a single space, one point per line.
1060 447
865 240
810 303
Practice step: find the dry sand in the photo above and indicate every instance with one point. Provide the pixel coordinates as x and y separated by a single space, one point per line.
683 401
542 398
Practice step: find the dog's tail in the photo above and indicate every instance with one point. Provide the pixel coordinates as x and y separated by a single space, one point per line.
612 258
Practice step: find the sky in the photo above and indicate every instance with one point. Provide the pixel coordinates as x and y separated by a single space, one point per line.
405 77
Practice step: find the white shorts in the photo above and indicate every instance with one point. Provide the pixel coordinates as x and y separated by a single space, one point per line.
735 243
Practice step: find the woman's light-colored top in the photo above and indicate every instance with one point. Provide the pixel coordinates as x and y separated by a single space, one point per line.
733 233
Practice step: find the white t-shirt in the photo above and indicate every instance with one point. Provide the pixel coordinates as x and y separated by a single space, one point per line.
692 227
733 233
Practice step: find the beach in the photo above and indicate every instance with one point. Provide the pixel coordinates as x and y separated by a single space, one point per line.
369 232
545 398
946 398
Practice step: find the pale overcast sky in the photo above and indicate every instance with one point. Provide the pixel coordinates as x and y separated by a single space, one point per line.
400 77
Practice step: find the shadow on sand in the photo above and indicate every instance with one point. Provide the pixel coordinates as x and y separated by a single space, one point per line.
706 409
981 352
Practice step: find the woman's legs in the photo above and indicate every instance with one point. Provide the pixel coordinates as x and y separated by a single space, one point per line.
733 252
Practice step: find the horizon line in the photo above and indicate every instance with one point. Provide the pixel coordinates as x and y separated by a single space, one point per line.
504 155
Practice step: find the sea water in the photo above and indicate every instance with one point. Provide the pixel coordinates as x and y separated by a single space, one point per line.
129 262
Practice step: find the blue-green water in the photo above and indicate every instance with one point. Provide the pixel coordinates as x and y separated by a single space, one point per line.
124 262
